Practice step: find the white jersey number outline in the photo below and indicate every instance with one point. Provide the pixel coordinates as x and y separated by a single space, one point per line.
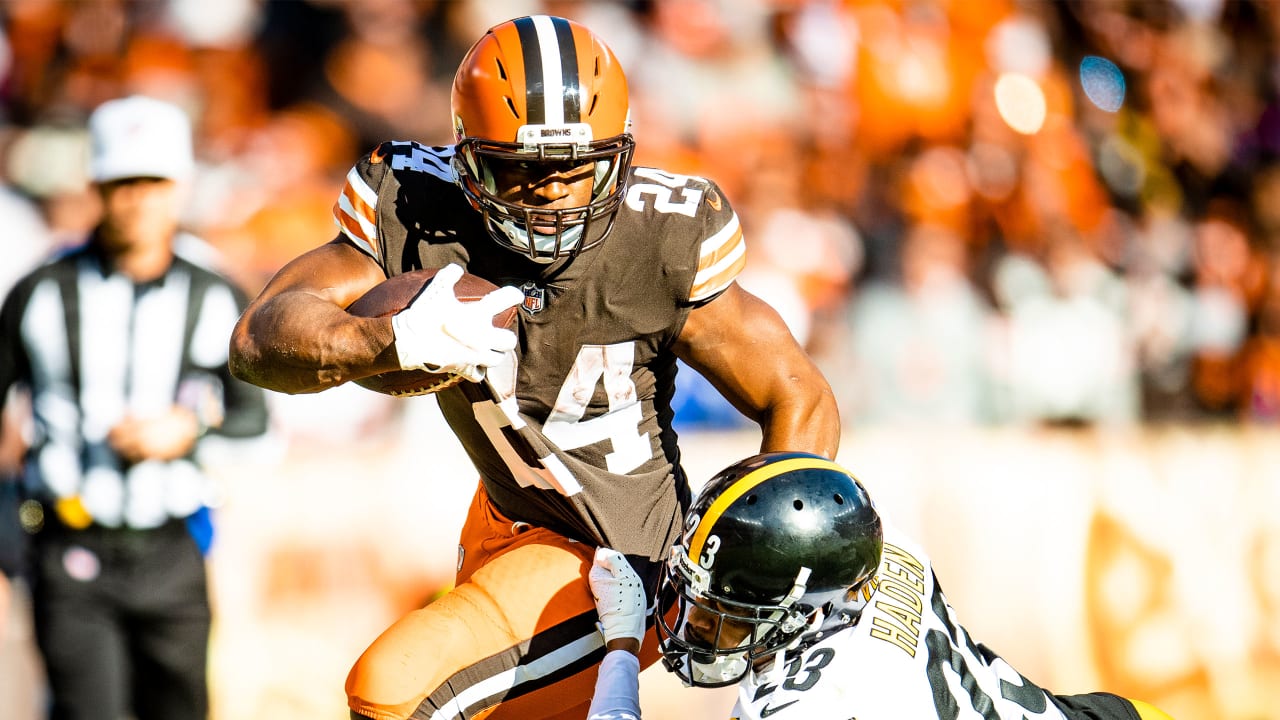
666 185
430 160
565 427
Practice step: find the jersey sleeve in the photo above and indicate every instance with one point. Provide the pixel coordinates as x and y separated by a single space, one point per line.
356 211
722 254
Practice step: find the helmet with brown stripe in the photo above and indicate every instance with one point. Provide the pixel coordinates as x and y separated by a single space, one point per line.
778 551
540 106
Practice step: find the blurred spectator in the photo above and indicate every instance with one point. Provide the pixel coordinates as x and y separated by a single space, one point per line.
920 347
29 242
380 75
281 190
883 115
122 344
1161 315
1229 282
27 238
1069 357
718 82
1259 391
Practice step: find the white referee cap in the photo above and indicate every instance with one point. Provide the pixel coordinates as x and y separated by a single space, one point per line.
139 136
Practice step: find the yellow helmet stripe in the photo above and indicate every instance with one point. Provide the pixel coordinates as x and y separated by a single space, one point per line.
745 485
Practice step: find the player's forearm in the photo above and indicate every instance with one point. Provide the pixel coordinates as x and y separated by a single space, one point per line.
299 343
807 421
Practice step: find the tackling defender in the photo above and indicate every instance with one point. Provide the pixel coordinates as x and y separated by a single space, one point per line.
788 582
619 271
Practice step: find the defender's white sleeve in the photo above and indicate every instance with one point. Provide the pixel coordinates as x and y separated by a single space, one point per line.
617 694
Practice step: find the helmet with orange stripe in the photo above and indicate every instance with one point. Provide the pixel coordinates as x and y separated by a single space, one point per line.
779 550
541 122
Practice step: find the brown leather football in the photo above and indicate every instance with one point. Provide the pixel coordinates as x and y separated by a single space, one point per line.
393 295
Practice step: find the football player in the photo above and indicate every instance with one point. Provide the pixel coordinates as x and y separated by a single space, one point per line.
618 270
788 582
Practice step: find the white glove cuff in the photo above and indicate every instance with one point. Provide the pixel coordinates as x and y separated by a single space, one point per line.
406 345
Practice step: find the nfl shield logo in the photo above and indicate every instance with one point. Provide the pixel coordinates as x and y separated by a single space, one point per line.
534 297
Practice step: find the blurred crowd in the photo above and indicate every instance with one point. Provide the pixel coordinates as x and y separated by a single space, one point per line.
955 225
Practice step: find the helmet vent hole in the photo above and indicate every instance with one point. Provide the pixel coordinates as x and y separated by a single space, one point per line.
502 71
596 67
592 109
512 107
838 498
797 504
751 499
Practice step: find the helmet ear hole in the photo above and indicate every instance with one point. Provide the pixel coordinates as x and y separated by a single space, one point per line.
798 504
838 498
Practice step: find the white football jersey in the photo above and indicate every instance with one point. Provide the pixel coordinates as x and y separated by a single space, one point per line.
908 658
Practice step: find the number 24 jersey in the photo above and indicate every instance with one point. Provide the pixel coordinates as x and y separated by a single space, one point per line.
594 371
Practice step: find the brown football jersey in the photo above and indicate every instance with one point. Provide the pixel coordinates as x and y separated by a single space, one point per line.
593 370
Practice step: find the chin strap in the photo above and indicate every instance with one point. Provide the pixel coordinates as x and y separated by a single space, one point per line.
770 672
794 622
723 668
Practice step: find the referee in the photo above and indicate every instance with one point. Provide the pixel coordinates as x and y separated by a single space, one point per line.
122 344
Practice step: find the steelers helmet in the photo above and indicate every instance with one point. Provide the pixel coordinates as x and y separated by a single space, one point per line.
781 546
535 93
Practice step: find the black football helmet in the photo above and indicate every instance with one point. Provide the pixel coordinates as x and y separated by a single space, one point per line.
781 546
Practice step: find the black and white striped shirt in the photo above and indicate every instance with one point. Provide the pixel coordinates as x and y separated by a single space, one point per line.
94 347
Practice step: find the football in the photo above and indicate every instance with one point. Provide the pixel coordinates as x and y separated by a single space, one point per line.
393 295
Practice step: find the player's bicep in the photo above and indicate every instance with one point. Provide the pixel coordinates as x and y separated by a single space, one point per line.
743 348
335 272
296 336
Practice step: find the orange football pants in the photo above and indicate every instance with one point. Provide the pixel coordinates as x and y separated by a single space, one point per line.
514 639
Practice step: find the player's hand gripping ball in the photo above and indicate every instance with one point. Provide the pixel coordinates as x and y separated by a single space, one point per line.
441 337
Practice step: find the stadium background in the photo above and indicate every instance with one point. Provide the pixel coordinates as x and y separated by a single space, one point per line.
1035 246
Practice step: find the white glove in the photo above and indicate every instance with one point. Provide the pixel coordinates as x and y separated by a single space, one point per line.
440 333
619 595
